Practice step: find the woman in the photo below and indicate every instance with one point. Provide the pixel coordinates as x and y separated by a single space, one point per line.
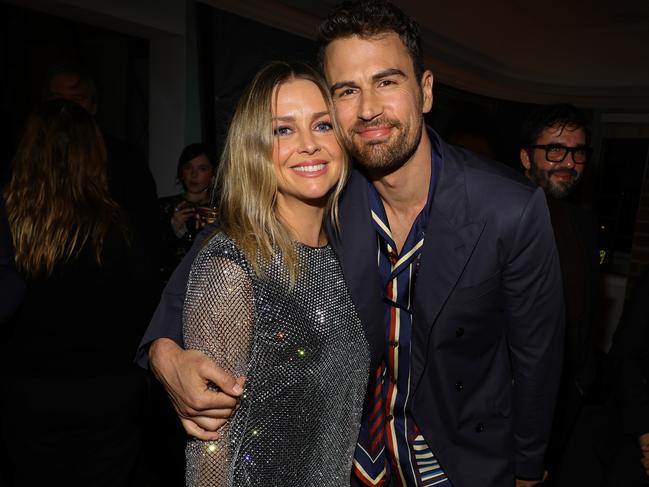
72 395
184 214
266 296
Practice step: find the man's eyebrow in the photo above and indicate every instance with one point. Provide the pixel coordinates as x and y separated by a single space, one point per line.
342 84
388 72
375 77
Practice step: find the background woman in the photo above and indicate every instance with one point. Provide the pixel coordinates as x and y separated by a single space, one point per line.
71 394
266 296
183 215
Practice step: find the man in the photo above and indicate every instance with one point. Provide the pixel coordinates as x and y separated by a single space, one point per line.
465 299
554 153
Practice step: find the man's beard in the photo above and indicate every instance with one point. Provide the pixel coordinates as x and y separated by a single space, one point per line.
557 190
384 156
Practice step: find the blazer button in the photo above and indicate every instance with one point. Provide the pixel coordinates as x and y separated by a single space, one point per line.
479 428
390 417
459 332
459 386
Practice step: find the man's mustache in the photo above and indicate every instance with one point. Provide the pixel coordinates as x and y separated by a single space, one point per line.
564 170
379 122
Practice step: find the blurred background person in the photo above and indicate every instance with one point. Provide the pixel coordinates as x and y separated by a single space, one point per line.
71 393
183 215
555 153
130 182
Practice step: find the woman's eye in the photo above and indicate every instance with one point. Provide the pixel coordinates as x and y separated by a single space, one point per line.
281 131
323 126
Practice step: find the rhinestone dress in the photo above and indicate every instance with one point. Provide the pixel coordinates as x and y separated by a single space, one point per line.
306 361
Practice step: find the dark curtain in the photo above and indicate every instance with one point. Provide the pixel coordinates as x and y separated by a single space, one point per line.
231 49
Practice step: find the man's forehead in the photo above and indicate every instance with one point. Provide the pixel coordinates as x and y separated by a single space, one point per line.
366 53
560 130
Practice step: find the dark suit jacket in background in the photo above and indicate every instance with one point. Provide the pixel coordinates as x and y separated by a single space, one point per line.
488 316
575 232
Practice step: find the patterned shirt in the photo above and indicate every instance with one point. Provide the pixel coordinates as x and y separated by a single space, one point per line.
391 445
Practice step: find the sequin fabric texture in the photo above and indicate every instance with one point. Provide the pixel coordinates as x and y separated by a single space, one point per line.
306 360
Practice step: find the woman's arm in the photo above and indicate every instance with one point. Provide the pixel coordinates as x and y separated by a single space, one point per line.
218 320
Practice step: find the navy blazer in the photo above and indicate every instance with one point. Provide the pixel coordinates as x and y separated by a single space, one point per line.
488 316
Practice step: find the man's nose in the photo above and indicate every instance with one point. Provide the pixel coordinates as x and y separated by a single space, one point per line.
370 106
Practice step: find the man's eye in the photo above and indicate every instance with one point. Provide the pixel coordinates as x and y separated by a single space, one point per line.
386 82
555 149
281 131
346 92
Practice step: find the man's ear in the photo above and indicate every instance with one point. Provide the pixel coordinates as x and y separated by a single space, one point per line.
525 159
427 91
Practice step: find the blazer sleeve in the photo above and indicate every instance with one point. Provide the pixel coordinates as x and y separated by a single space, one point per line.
167 318
533 303
12 286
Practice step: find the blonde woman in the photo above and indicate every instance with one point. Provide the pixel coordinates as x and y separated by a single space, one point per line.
266 297
71 395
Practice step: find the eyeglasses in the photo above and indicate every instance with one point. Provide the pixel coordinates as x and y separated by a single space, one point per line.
557 153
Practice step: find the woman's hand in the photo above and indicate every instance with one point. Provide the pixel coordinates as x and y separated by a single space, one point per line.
182 214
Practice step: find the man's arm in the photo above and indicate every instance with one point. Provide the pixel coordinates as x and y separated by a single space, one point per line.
186 374
533 302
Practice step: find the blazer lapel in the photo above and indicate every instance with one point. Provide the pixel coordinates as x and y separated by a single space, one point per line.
356 248
451 237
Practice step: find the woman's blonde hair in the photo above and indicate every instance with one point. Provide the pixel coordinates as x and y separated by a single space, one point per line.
246 179
57 199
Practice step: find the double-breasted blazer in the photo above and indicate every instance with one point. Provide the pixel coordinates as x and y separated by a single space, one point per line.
488 316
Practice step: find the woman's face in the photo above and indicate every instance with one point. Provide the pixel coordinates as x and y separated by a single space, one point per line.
197 174
307 158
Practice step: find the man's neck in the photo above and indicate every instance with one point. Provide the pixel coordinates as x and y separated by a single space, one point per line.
404 192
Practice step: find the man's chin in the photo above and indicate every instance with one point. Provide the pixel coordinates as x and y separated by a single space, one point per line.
375 158
559 191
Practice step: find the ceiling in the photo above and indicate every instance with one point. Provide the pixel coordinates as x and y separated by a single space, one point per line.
593 53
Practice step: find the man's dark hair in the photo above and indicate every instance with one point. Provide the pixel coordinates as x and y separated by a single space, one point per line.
546 116
368 18
85 79
191 152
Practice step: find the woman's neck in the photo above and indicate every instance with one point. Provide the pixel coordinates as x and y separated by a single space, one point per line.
303 220
197 198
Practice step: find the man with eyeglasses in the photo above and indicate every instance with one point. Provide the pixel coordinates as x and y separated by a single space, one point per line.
555 153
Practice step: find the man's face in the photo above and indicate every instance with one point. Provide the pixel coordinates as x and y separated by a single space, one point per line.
69 87
378 99
557 179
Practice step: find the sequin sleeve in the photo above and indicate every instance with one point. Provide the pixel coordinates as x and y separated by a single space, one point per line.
218 319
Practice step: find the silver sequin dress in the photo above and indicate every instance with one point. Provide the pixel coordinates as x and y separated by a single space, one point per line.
306 359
